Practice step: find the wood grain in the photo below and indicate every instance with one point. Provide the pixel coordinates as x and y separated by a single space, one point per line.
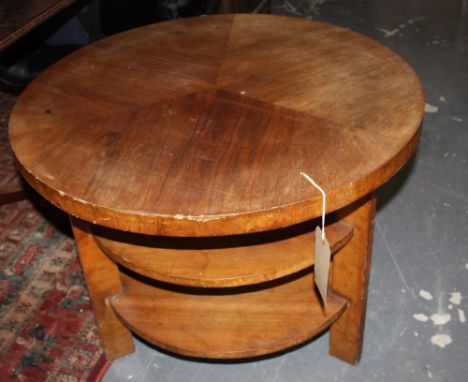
18 17
224 261
350 278
103 281
248 323
200 126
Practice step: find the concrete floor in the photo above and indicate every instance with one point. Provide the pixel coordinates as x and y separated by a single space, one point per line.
421 238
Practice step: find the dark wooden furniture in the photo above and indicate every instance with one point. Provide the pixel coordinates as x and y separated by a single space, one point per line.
12 192
18 17
191 135
241 6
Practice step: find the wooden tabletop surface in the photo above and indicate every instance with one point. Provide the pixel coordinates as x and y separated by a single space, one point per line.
201 126
18 17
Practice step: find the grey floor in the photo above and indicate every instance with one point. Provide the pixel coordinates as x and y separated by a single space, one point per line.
420 263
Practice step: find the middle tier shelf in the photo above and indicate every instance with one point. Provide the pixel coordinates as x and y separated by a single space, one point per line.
220 262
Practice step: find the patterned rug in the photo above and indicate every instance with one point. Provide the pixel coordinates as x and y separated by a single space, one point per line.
47 328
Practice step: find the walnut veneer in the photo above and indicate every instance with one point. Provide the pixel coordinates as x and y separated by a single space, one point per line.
191 135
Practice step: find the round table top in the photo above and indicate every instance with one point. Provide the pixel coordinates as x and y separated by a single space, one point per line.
201 126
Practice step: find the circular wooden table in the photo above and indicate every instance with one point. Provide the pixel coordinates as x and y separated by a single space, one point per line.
190 135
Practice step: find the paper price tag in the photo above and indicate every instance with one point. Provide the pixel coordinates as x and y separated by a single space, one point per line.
322 247
322 264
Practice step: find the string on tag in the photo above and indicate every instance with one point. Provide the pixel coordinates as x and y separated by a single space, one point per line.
324 200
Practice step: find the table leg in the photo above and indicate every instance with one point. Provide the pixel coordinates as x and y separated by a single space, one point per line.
103 280
350 277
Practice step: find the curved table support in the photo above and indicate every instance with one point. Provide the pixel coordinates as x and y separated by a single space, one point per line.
103 281
350 278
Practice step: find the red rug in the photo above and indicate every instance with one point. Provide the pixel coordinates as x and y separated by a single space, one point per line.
47 327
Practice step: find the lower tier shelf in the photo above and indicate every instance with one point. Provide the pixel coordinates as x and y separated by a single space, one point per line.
247 322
